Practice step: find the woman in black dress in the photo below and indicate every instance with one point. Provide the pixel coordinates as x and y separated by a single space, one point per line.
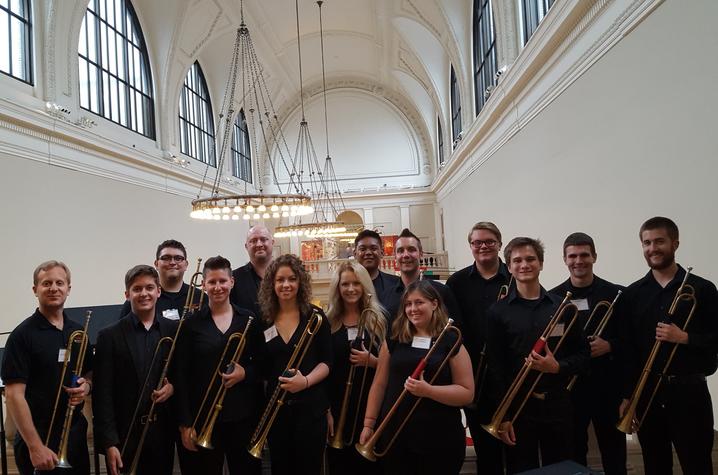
433 440
298 436
352 304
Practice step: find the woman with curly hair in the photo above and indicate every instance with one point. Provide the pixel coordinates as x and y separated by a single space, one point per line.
352 304
433 440
298 436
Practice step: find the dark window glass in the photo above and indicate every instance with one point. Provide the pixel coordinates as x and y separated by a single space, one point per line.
455 107
533 12
440 141
241 150
196 123
16 39
484 44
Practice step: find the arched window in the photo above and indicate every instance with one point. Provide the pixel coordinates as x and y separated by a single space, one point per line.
115 77
455 107
16 39
241 151
484 51
196 123
532 12
440 142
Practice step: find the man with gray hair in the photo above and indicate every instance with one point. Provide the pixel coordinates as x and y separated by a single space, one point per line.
259 245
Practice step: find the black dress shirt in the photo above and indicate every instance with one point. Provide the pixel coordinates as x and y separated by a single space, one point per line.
278 352
515 324
246 287
447 296
144 341
474 296
645 303
31 357
199 348
383 285
169 305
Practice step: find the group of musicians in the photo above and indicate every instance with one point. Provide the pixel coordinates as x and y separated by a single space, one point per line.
376 385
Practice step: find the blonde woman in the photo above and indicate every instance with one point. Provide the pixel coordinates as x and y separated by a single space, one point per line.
352 303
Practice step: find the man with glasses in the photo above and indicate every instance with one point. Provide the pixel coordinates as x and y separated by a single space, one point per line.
171 264
368 251
259 245
477 287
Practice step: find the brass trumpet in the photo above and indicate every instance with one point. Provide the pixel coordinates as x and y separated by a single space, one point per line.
502 411
204 439
599 329
368 450
337 441
150 417
630 421
259 438
78 336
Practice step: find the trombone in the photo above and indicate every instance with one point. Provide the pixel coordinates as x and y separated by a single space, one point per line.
502 411
259 438
204 439
78 336
599 329
368 450
338 441
150 417
630 421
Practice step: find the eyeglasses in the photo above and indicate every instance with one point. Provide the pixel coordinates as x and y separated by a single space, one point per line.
168 258
490 243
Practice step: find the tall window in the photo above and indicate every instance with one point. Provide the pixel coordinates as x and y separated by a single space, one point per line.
484 51
115 77
196 123
455 107
16 39
532 12
241 151
440 141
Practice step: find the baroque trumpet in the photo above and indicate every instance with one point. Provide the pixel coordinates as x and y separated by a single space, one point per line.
338 441
81 337
502 411
630 421
150 417
204 439
261 433
368 450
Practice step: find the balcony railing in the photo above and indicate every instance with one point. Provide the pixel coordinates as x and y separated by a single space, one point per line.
434 263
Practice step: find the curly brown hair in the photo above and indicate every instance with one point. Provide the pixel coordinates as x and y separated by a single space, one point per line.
268 301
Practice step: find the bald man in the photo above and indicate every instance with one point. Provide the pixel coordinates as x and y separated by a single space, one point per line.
259 245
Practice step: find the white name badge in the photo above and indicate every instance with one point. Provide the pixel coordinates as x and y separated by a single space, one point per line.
352 333
423 342
171 314
582 304
270 333
61 355
557 330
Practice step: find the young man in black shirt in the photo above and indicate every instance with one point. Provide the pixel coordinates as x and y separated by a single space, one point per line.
515 324
476 288
596 396
31 368
259 245
124 355
368 251
681 413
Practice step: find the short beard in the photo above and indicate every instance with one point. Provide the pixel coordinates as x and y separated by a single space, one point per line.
666 262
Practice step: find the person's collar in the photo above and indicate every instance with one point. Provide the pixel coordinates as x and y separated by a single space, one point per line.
514 294
43 321
138 324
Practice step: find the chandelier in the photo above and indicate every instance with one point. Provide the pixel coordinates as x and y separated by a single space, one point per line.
245 74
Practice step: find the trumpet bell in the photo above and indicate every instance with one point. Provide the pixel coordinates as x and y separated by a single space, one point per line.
366 451
256 450
336 443
204 442
492 429
63 463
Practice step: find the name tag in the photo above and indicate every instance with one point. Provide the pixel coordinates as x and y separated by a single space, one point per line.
352 333
582 304
171 314
557 330
422 342
270 333
61 355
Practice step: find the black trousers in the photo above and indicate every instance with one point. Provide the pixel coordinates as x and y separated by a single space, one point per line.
681 415
598 404
230 440
158 454
348 461
77 452
544 426
489 450
297 441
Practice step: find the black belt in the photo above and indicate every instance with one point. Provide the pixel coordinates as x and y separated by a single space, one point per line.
684 378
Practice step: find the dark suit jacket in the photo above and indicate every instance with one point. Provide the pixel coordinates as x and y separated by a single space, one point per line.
246 288
117 384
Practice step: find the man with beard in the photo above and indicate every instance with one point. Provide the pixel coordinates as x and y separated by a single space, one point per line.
259 245
681 413
368 251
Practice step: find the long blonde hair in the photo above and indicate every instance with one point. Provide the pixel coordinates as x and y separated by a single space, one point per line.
376 322
402 329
